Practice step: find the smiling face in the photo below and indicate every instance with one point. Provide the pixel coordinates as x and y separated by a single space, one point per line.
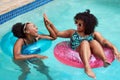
80 25
30 29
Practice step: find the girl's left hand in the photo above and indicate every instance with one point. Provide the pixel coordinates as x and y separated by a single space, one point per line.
41 57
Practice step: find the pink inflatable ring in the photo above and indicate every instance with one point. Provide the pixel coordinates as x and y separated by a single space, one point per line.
66 55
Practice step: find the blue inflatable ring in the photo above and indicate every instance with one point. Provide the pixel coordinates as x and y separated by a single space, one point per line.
8 41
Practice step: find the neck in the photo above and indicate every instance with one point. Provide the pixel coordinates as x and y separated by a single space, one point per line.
30 39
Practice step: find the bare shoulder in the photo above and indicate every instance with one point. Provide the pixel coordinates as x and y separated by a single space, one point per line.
66 34
96 33
98 36
19 41
72 30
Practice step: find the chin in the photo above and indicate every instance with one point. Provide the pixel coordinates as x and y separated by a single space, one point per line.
35 35
79 30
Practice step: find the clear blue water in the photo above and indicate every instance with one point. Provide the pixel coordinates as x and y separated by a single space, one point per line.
61 13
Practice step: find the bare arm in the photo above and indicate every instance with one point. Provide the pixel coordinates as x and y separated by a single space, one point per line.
105 42
66 33
17 52
63 34
48 22
43 36
49 28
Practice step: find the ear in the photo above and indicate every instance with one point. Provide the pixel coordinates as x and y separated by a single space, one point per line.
27 31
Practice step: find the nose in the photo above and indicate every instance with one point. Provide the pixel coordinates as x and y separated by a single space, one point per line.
36 29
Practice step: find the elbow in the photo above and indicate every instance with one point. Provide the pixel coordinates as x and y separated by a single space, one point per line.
54 38
58 34
106 43
17 57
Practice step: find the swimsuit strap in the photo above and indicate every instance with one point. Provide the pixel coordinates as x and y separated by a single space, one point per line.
24 42
35 39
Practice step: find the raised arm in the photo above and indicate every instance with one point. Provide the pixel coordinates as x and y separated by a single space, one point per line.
19 56
47 25
63 34
105 42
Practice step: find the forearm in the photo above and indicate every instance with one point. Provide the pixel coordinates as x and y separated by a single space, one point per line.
110 45
24 57
52 32
54 28
50 29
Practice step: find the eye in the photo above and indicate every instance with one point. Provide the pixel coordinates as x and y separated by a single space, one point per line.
80 24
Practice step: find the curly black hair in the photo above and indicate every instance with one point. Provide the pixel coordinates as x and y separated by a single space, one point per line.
90 21
17 30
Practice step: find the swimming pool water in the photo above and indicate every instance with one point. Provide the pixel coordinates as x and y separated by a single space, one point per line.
61 13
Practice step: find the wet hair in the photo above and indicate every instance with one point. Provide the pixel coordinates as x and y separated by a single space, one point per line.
17 30
90 21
